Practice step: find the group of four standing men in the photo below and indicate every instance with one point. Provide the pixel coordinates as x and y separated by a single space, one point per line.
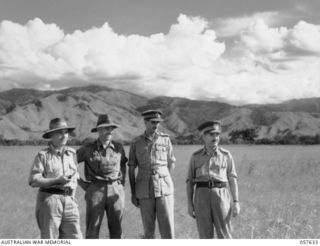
211 175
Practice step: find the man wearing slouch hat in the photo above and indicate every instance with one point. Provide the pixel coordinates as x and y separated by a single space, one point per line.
105 171
54 171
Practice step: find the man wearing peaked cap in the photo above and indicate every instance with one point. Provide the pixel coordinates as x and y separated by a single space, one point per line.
210 126
54 171
154 115
152 188
211 171
105 172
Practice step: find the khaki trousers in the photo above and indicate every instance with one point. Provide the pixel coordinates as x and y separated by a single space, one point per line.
162 209
213 210
103 197
57 216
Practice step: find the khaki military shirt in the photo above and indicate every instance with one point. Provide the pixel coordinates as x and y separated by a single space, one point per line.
152 157
204 167
108 168
51 163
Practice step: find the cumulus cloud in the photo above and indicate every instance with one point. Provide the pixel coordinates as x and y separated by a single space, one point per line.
260 38
265 64
230 27
305 36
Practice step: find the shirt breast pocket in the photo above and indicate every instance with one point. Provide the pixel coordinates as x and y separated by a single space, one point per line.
142 154
224 164
201 170
53 168
220 163
161 152
115 161
71 166
92 162
111 163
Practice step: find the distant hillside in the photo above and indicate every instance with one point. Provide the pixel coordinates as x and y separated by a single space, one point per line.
25 113
310 105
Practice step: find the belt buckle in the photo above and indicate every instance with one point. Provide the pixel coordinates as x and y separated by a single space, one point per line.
211 184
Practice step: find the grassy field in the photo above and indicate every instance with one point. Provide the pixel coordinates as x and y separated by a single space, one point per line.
279 194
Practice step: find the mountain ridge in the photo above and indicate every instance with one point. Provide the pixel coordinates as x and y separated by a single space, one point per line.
25 113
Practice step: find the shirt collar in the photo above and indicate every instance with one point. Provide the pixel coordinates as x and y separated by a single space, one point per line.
100 145
149 138
56 151
205 151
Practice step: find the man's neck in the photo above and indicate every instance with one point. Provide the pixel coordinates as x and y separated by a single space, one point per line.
105 143
211 149
150 134
58 148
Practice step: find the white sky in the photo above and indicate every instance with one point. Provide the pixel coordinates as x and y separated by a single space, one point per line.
240 51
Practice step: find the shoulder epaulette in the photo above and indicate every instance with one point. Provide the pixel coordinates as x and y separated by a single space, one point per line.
69 149
198 151
163 134
88 144
224 150
137 138
116 144
44 151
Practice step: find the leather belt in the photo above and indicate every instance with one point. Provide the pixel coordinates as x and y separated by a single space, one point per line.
106 181
212 184
67 191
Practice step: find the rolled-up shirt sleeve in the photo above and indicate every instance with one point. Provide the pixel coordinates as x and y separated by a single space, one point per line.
231 169
80 154
37 168
132 156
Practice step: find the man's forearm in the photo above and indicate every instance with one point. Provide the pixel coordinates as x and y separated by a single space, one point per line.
132 179
171 166
190 190
124 173
234 188
39 181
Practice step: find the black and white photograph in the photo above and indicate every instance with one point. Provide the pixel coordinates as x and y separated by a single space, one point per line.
159 119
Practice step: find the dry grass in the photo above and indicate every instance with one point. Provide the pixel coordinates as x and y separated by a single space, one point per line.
279 194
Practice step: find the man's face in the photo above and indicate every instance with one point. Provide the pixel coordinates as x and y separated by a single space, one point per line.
105 133
211 139
59 138
151 126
